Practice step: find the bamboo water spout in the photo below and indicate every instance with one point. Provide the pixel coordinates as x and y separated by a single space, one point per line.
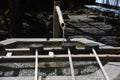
60 17
58 21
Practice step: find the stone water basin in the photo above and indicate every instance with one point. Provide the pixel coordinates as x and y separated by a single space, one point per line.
45 68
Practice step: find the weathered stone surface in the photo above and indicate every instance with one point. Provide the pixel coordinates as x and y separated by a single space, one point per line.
79 26
19 78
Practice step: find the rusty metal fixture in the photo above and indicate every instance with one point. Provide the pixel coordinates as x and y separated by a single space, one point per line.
66 46
36 48
33 47
2 47
89 46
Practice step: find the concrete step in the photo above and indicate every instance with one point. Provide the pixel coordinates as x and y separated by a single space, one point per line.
112 69
70 78
19 78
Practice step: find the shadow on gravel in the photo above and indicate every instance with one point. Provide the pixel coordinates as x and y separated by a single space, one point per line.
97 31
9 71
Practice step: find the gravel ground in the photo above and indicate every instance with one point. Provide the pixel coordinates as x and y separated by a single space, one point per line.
48 68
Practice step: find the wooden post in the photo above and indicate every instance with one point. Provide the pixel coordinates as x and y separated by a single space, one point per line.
56 25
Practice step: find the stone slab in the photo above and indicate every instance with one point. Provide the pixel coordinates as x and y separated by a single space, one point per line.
70 78
19 78
112 69
13 40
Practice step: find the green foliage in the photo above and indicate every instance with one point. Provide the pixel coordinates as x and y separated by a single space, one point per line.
4 18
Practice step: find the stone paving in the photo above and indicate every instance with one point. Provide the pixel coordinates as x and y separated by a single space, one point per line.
92 28
83 27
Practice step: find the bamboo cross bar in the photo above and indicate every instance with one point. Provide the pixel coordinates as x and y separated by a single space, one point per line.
59 48
59 57
62 56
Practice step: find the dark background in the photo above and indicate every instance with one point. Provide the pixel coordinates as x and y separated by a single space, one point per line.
31 18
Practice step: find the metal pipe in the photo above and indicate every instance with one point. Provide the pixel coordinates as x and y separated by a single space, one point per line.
71 64
100 64
36 64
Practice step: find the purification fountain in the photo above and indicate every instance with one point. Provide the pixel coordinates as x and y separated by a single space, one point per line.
56 58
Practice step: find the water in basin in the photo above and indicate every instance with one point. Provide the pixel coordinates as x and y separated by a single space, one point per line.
46 44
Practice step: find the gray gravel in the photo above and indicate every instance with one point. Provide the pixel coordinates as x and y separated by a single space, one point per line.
47 69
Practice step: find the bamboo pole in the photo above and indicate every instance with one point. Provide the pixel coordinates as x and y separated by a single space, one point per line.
58 21
100 64
59 48
60 17
71 65
36 64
